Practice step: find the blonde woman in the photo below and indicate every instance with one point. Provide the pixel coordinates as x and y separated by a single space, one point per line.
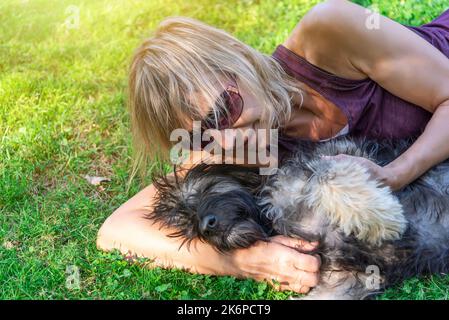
337 73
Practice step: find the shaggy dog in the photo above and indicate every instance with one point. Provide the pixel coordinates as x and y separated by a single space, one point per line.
370 238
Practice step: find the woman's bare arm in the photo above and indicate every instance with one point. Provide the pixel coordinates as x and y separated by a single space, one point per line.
336 37
128 231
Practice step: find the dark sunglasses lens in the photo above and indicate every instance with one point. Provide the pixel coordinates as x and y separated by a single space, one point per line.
223 106
233 107
230 105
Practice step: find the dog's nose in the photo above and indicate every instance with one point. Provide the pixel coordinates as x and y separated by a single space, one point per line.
208 223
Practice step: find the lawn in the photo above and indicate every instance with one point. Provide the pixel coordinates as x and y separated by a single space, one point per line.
63 69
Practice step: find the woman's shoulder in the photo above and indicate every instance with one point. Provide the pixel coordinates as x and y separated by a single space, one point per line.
322 34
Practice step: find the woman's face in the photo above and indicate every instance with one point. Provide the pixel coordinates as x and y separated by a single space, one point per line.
250 117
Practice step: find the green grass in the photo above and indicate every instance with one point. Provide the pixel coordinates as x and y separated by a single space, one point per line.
62 115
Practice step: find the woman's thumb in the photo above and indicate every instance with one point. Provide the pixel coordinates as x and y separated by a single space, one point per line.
295 243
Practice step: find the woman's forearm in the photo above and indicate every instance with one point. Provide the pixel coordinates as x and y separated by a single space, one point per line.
199 257
128 231
431 148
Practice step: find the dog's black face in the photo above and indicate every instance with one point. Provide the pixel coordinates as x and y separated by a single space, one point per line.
213 203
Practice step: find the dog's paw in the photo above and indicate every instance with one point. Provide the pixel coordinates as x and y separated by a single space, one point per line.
353 201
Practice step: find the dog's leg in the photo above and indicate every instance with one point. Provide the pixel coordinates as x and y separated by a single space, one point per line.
354 202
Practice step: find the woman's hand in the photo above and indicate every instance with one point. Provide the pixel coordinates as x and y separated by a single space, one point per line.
280 263
382 174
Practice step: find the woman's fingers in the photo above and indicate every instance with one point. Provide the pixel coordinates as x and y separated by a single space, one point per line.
279 263
295 288
300 261
307 279
294 243
306 262
297 281
289 286
295 271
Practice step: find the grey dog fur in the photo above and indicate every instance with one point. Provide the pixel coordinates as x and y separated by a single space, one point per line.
370 238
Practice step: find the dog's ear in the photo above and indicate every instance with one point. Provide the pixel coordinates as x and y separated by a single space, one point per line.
170 208
163 182
247 177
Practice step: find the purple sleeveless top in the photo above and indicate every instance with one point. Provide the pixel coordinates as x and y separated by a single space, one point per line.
372 111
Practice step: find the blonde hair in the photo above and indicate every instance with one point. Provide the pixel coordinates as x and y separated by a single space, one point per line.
179 60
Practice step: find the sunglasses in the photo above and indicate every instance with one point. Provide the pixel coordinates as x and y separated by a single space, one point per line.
229 112
230 107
